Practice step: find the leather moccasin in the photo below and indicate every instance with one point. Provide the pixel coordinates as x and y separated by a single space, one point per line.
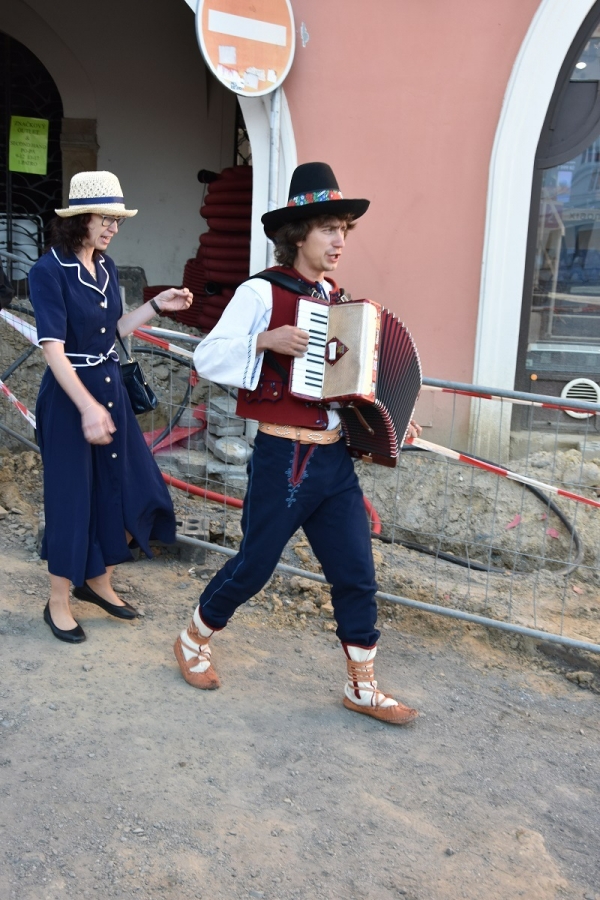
207 680
72 636
90 596
393 715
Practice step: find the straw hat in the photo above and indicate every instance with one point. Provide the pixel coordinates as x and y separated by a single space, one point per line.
314 191
95 192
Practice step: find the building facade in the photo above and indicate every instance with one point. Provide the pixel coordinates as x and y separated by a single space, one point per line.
472 127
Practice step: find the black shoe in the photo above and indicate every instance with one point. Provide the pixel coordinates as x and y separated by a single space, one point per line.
73 636
121 612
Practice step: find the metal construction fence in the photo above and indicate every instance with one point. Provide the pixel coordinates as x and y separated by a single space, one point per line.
514 547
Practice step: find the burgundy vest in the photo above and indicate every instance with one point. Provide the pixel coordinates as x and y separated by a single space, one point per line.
271 401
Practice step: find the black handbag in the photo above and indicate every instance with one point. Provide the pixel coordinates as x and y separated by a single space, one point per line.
142 397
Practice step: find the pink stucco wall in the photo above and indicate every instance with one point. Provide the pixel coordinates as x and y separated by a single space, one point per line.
402 98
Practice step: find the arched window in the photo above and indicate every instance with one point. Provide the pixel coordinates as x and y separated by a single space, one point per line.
560 324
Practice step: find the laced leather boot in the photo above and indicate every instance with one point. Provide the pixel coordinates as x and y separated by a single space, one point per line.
362 694
192 652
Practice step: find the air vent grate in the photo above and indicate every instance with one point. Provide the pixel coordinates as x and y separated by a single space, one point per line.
581 389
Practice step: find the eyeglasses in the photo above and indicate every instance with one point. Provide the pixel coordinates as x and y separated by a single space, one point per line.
107 221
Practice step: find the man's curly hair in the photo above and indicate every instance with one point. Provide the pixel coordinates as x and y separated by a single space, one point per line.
287 237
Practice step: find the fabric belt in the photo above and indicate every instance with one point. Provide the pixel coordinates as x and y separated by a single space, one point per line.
92 360
303 435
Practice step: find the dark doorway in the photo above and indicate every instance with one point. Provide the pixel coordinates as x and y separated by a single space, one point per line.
242 151
27 201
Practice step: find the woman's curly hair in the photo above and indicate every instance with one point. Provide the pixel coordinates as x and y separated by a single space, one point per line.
287 237
69 233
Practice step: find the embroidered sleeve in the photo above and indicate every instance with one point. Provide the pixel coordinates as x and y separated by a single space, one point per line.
249 368
228 353
256 368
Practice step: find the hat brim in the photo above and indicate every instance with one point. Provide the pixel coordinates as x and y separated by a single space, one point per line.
106 209
274 220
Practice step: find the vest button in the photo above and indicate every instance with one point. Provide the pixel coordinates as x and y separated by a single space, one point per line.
275 394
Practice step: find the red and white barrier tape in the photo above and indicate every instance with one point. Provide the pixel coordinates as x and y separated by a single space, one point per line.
165 345
20 406
169 332
499 470
144 333
30 333
20 325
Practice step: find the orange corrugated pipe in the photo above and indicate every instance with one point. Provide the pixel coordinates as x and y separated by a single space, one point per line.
373 517
202 492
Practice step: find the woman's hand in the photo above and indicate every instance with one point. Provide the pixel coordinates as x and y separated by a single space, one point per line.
174 299
97 424
414 430
287 339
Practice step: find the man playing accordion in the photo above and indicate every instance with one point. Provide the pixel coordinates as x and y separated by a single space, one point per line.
301 474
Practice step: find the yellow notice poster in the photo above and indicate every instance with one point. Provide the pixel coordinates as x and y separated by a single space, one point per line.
28 145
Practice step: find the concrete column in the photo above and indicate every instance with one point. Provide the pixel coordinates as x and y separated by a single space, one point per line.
79 150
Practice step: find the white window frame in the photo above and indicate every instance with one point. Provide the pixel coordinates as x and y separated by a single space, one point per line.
528 94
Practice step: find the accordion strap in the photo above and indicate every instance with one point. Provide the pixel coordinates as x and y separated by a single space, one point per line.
273 363
295 285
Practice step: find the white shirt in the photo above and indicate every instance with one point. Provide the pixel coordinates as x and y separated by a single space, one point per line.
228 353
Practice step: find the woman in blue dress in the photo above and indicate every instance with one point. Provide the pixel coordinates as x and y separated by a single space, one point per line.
102 488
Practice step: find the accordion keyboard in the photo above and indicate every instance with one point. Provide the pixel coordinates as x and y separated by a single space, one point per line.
308 372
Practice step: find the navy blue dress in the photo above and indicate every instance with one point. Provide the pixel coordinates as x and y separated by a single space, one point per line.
92 492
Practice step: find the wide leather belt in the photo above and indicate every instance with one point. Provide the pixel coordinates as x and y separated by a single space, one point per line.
301 434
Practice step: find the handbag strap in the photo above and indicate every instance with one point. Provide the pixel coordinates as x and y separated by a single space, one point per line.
128 355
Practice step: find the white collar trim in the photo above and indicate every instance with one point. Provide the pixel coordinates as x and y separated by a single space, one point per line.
77 265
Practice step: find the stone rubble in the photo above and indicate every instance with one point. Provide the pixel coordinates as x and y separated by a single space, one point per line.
217 453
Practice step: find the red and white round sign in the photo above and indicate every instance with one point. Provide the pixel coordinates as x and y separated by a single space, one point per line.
247 44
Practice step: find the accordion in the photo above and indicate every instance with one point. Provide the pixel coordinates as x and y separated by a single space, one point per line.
360 356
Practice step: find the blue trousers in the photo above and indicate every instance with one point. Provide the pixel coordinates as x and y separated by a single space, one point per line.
313 487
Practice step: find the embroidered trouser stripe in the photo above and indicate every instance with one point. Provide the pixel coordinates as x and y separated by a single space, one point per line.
328 504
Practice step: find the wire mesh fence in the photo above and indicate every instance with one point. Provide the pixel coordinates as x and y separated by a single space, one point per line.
449 537
491 546
18 356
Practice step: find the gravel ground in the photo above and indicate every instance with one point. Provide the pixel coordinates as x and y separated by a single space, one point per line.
119 780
